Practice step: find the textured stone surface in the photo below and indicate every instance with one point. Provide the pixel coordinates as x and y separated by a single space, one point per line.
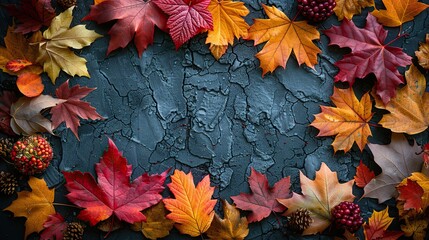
183 109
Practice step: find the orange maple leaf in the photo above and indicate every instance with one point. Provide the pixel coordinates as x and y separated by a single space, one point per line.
398 12
423 53
349 120
349 8
228 23
192 210
283 36
377 225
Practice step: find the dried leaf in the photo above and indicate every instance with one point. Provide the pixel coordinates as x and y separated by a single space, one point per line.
156 225
348 8
30 84
17 64
6 100
376 228
363 175
411 193
415 228
54 227
423 53
398 12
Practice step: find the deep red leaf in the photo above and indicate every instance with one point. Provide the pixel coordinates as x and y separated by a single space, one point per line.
114 194
135 18
186 19
54 227
263 199
6 100
369 55
412 194
363 175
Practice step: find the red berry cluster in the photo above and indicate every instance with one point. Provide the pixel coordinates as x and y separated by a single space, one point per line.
316 10
31 155
347 215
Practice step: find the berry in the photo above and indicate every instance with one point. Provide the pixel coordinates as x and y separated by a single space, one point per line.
31 155
66 3
8 183
316 10
299 220
74 231
347 215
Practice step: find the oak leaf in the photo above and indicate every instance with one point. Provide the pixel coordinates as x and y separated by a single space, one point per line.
6 100
134 19
398 12
186 18
283 36
30 84
369 55
319 196
263 199
397 161
54 227
363 175
36 205
54 52
423 53
114 194
376 228
26 117
231 227
192 209
73 107
348 8
228 23
156 224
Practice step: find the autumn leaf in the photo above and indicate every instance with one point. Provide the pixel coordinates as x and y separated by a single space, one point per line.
398 12
415 228
73 107
186 18
36 205
192 209
319 196
54 227
114 194
30 84
156 224
411 193
348 8
263 199
397 161
423 53
363 175
376 228
32 15
135 19
231 227
425 154
228 23
283 36
54 52
6 100
26 117
17 64
369 55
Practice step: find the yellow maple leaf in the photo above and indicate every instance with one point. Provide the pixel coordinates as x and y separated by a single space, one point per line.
423 53
192 209
398 12
377 226
156 224
349 120
54 50
349 8
36 205
228 23
283 36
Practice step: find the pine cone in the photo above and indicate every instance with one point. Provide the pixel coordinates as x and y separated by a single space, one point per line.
299 220
74 231
8 183
6 145
66 3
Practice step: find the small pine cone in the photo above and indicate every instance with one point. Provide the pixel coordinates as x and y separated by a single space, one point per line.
8 183
66 3
299 220
74 231
346 215
6 145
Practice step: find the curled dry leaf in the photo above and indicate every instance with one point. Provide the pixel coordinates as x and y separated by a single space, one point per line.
348 8
398 12
156 224
423 53
30 84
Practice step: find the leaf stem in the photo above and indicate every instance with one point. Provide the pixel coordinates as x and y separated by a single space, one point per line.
396 38
65 205
374 125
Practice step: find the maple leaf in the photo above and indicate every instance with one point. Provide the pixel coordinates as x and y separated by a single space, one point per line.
30 84
156 224
262 201
25 114
228 22
187 18
283 36
348 8
135 19
192 209
397 161
319 196
54 227
369 55
349 120
54 52
423 53
411 193
398 12
114 194
415 228
363 175
36 205
32 15
376 228
73 107
6 100
425 154
231 227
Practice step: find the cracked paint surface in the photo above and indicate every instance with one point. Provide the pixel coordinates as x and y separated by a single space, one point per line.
183 109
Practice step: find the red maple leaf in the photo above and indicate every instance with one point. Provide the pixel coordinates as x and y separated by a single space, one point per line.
54 227
6 100
363 175
135 18
114 194
369 55
411 193
32 15
263 199
74 108
187 18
